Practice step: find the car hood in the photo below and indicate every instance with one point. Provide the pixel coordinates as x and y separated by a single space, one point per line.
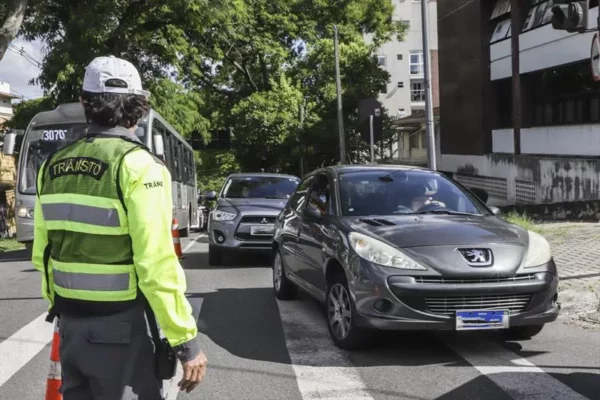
271 206
439 230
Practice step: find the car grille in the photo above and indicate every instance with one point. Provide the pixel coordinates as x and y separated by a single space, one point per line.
255 238
439 279
448 305
257 219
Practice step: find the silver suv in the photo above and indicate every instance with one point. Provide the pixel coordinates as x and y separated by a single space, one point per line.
244 216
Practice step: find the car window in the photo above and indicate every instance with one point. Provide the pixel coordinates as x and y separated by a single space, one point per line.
319 198
402 192
255 187
299 198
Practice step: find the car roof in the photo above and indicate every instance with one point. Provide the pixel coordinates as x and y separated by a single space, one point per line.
263 174
343 169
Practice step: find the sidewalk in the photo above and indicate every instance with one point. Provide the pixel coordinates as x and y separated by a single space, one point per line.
576 250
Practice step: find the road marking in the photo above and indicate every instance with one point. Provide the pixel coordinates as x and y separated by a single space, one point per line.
171 388
517 376
190 244
21 347
322 370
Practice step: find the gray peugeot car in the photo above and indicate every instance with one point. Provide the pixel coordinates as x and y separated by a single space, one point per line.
406 248
244 216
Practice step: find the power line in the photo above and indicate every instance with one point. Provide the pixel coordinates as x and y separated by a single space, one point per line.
22 50
25 55
455 10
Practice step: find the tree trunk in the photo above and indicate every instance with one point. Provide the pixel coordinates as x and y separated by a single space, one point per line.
15 11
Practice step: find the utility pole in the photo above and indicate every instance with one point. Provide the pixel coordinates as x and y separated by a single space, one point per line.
431 150
338 84
516 24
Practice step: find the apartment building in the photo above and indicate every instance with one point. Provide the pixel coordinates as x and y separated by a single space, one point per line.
404 95
553 154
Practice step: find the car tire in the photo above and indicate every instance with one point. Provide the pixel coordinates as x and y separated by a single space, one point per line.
283 287
522 332
355 337
215 255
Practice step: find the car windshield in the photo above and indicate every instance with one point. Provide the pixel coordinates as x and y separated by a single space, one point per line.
266 187
404 192
41 141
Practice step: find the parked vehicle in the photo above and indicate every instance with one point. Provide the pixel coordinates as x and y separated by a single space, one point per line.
401 248
245 212
203 211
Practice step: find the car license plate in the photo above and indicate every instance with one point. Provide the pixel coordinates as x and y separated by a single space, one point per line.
482 319
262 230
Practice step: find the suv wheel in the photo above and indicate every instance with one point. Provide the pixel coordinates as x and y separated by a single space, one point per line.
341 316
215 255
284 288
522 332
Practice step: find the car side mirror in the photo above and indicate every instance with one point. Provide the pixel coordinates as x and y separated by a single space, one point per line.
9 144
312 214
211 195
496 211
482 194
159 145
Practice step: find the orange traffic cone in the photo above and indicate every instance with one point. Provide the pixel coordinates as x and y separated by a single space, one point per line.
54 374
176 239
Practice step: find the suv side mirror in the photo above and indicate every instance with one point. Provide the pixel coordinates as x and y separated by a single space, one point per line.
9 144
159 145
480 193
312 214
211 195
496 211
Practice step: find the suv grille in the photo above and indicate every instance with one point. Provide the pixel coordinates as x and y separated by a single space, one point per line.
439 279
448 305
257 219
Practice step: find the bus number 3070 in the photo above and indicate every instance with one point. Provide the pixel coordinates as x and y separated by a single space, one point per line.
57 134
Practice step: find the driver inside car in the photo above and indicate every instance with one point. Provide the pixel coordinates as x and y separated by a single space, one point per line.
427 198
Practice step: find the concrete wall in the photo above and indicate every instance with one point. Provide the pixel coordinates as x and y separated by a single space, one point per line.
528 179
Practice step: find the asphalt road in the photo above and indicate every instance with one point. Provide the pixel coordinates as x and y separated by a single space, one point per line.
259 348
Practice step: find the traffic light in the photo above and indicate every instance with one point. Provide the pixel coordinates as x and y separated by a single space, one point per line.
570 16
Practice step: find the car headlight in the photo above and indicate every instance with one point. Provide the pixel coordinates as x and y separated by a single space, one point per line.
380 253
538 252
219 215
24 212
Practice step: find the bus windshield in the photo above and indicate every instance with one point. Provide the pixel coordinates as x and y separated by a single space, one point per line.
41 141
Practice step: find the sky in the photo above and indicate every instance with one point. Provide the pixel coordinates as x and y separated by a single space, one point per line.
17 71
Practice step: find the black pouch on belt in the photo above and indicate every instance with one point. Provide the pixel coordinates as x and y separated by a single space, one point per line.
165 361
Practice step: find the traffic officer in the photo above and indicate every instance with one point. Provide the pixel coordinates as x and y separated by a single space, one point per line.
103 243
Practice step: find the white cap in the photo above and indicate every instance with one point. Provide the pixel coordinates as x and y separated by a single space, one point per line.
103 69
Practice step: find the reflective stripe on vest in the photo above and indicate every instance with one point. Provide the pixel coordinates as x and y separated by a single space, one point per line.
82 213
96 282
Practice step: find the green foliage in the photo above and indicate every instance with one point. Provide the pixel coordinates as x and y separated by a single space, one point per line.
180 107
523 220
213 166
249 65
24 111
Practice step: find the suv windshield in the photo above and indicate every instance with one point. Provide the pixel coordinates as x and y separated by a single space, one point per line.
404 192
260 187
41 141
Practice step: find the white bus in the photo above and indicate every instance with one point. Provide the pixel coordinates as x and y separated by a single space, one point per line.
52 130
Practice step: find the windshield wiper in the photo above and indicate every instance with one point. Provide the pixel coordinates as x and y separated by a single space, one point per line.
449 212
274 197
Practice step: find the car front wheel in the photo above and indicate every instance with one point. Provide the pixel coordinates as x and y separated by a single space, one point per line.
341 316
522 332
284 288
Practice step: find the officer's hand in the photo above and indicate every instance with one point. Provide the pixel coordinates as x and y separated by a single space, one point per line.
193 372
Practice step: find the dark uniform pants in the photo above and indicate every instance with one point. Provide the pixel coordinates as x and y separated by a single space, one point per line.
108 358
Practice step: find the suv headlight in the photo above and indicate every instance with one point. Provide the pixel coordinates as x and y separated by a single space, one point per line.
219 215
538 252
380 253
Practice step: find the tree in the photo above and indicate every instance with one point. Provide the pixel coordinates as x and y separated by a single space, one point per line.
11 18
24 111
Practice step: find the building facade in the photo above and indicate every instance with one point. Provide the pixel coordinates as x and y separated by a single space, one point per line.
6 97
548 149
404 95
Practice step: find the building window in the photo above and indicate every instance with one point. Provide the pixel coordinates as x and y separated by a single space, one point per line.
401 112
417 91
381 61
400 84
502 31
416 63
539 15
383 89
399 57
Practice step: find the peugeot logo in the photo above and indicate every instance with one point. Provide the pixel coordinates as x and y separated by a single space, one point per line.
477 257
